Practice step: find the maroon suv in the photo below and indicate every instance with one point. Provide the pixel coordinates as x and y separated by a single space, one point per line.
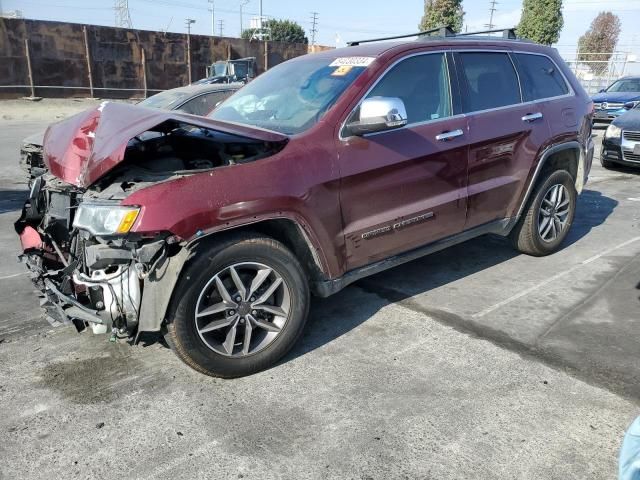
327 168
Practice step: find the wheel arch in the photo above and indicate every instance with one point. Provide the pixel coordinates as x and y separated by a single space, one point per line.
568 156
291 233
160 295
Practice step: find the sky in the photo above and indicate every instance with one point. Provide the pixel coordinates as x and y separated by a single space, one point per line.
339 21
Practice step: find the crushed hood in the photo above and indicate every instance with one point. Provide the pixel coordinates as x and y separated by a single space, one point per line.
81 149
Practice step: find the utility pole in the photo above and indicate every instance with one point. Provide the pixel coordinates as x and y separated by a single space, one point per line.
242 4
221 23
213 17
260 21
492 10
189 21
314 27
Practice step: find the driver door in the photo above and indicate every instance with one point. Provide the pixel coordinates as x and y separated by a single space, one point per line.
407 187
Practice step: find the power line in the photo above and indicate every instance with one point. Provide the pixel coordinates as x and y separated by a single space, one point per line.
314 28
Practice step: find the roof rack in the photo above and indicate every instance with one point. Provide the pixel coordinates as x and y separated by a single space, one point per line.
441 31
508 33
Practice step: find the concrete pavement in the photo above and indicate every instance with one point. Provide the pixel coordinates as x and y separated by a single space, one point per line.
475 362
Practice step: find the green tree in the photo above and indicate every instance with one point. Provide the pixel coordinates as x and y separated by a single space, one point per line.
442 13
599 42
280 31
541 21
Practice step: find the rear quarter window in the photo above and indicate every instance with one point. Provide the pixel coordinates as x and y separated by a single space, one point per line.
491 80
540 77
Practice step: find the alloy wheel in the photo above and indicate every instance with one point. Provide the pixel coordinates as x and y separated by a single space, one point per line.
242 309
554 213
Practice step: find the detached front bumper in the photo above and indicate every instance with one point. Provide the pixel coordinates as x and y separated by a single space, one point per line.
121 285
103 301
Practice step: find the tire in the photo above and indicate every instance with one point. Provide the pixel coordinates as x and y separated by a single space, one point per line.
532 235
274 326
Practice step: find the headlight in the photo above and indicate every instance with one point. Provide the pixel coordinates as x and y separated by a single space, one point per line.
105 219
613 131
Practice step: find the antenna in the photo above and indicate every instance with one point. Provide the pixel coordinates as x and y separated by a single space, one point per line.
123 18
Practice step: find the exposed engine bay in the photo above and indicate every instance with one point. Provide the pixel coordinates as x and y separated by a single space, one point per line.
90 268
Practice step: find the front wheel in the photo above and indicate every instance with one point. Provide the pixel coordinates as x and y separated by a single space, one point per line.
241 306
549 216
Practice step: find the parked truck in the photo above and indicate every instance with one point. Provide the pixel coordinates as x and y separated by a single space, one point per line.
231 71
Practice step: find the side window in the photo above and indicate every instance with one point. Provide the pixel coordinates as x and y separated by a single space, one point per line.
540 77
491 79
422 82
204 104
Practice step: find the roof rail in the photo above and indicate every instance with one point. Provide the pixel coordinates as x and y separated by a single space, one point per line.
508 33
441 31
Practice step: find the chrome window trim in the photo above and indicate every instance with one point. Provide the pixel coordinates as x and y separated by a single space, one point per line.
341 137
530 102
515 69
570 91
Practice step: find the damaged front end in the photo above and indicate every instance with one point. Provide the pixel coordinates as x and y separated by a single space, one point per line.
87 272
90 256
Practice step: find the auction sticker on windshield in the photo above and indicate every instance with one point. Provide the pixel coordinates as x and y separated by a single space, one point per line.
352 62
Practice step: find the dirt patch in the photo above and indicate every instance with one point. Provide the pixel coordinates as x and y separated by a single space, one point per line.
104 379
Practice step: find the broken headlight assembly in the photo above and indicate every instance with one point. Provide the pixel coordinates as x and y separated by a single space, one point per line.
104 220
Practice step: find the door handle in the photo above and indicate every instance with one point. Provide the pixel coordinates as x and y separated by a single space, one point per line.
444 136
531 117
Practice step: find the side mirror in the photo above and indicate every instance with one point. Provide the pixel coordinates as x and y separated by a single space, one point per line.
602 90
629 105
378 114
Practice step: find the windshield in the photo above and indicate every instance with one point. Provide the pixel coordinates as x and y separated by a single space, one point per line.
167 100
220 69
293 96
240 69
631 85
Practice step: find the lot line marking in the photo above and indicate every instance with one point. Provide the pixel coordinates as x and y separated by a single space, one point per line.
549 280
14 275
634 199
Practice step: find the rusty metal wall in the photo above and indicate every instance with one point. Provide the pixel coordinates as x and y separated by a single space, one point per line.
58 57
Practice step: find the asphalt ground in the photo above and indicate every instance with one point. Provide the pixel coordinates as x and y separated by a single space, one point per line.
475 362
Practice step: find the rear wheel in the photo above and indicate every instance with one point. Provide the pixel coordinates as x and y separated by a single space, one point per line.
241 307
549 216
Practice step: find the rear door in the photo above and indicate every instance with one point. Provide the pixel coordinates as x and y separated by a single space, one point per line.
404 188
505 134
543 83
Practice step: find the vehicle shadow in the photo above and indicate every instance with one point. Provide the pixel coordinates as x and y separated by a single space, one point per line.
592 210
12 200
331 318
